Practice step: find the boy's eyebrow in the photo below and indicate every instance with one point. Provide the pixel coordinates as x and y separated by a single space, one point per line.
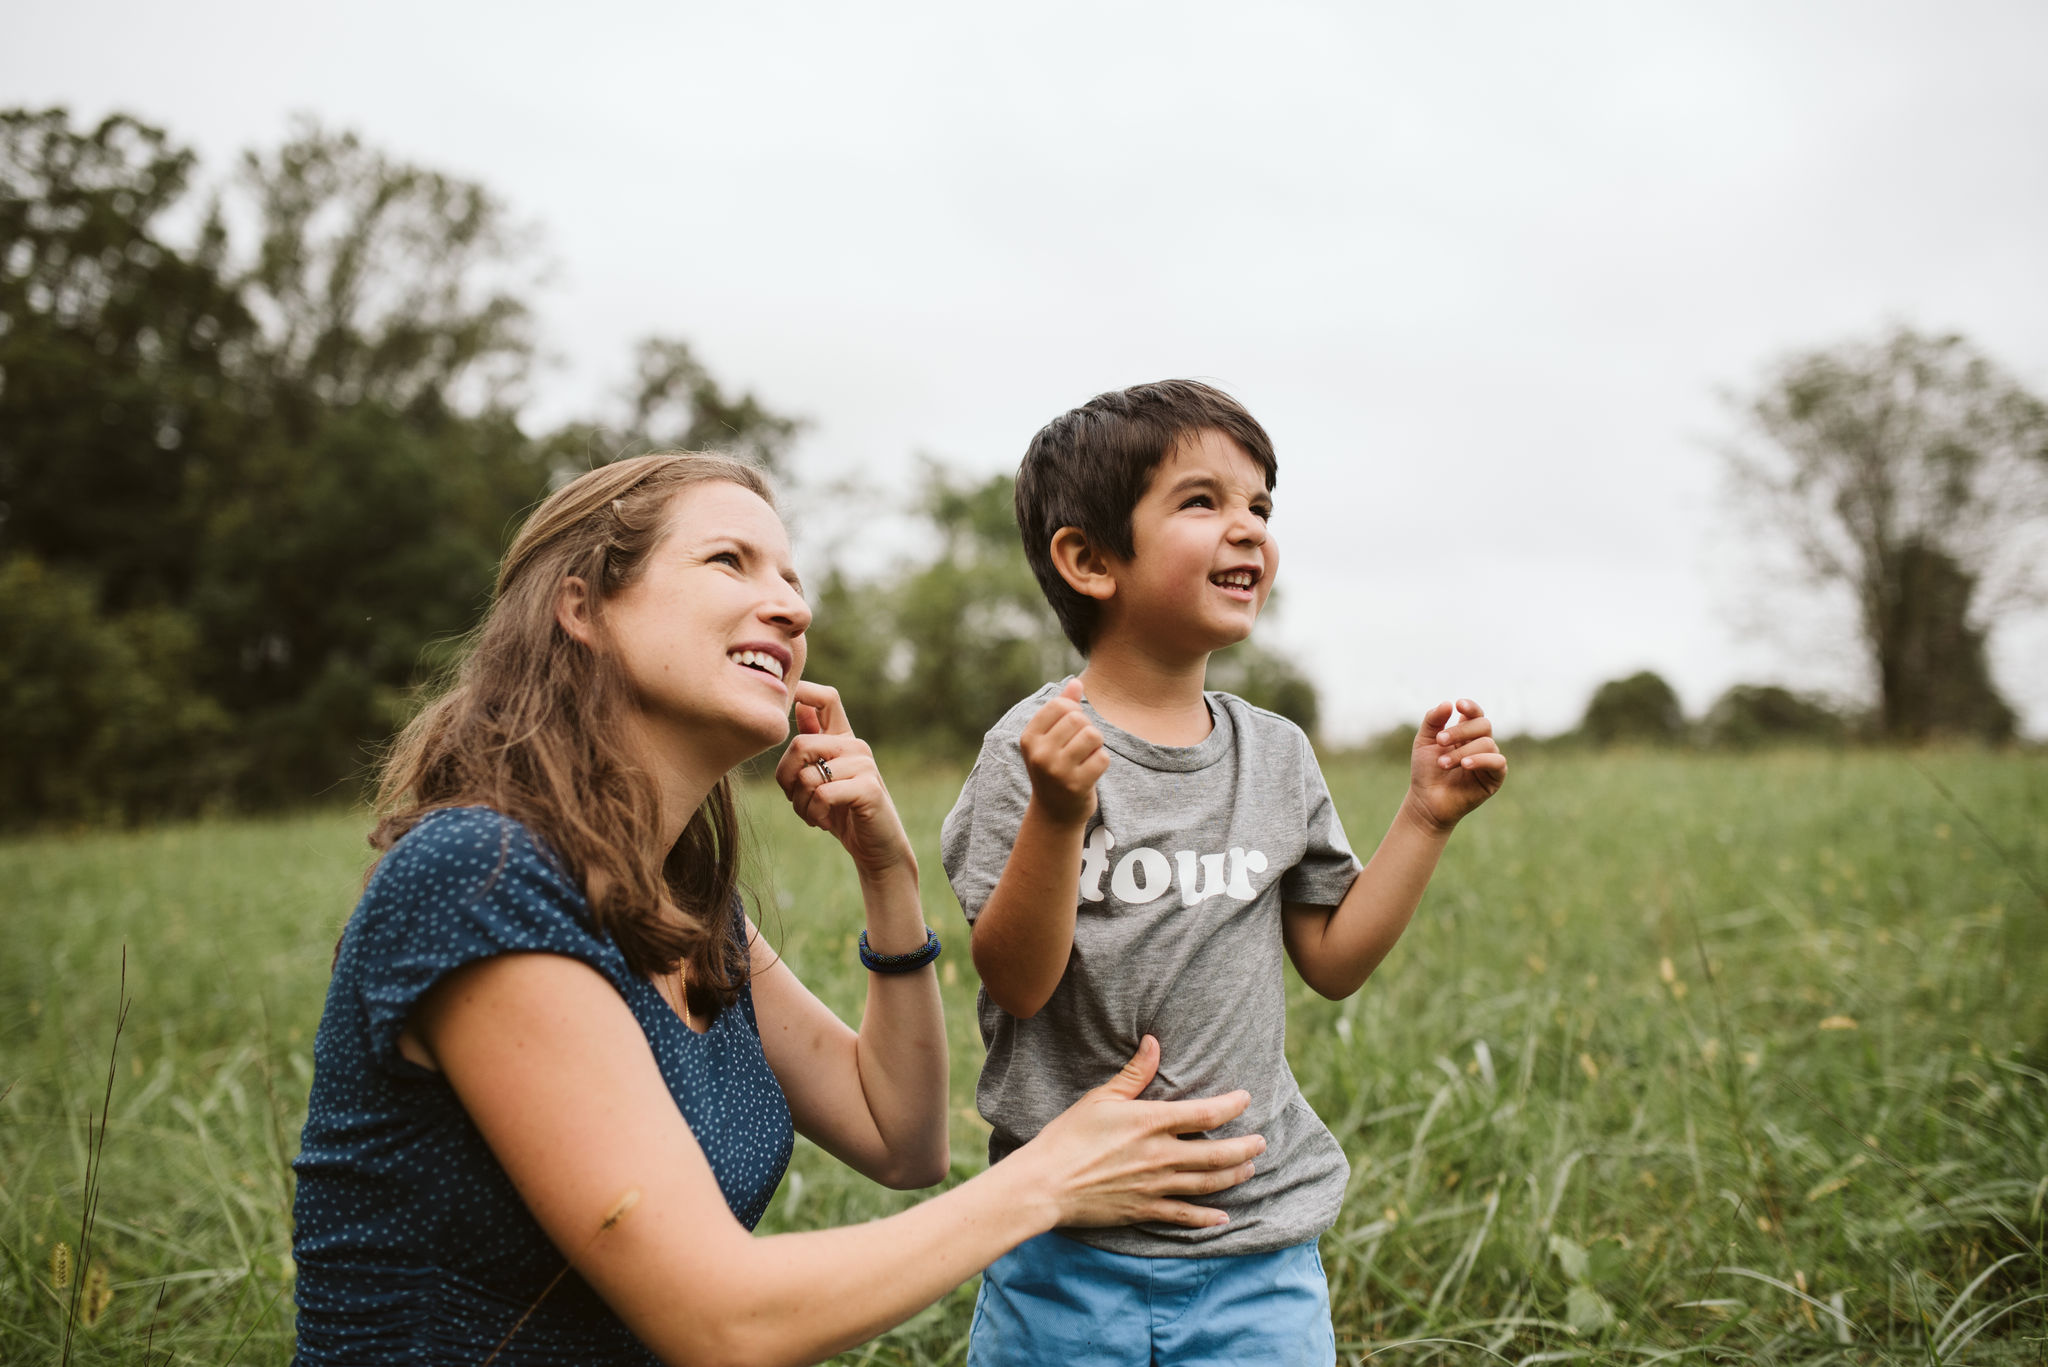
1199 480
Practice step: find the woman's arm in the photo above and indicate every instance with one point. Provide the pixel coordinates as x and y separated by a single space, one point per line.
876 1099
550 1064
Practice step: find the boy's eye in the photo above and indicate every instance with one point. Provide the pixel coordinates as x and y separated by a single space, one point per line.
1263 511
1199 501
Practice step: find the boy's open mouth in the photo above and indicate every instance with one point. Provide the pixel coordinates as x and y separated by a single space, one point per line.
1235 579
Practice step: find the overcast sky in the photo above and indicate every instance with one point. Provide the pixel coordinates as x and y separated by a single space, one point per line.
1481 270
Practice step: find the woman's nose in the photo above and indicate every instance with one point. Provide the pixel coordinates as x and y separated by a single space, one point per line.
790 611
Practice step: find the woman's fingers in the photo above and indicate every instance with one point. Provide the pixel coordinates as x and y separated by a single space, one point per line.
1212 1180
1133 1077
1181 1213
804 752
854 778
1201 1114
802 773
825 700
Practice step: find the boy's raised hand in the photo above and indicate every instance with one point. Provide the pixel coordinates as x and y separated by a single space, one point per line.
1064 754
1455 765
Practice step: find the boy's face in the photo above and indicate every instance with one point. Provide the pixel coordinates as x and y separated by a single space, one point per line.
1204 558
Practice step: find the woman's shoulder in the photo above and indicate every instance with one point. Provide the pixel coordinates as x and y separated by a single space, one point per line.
453 839
473 862
463 884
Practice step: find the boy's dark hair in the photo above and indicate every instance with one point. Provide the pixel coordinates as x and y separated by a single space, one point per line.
1088 468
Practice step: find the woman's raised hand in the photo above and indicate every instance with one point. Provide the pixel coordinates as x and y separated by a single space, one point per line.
833 783
1111 1159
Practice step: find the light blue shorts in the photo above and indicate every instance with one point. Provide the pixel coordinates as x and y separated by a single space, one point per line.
1057 1302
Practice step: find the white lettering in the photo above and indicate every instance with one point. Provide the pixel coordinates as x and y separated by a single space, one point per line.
1242 864
1212 876
1158 875
1095 863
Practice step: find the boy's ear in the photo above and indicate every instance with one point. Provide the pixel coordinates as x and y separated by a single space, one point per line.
573 611
1087 570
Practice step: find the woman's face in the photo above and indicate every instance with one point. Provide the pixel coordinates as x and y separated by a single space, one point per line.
711 631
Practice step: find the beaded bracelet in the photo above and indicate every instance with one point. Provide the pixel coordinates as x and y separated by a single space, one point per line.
900 963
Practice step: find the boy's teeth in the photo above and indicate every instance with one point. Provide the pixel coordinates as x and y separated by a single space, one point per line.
1236 579
759 660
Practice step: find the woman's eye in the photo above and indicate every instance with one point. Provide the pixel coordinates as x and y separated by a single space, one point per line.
731 558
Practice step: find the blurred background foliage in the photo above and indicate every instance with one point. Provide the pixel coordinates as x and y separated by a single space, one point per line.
261 446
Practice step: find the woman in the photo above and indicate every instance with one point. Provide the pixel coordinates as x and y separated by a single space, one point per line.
554 1040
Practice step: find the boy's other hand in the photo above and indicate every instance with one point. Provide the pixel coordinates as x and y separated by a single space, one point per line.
1455 765
1064 754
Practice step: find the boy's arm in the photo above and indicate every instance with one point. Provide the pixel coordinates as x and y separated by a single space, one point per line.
1452 769
1025 931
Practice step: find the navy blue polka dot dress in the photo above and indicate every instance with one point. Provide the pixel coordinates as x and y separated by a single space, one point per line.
411 1242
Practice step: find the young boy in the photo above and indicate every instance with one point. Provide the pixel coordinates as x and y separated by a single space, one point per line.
1133 853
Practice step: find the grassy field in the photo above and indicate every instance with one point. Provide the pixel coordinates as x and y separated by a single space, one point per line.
1702 1059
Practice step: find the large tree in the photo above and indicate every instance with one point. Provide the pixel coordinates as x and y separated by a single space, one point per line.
259 450
1912 471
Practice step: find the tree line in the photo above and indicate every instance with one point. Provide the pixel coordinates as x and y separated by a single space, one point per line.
261 447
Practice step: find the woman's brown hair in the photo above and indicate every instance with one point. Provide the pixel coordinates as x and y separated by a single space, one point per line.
533 726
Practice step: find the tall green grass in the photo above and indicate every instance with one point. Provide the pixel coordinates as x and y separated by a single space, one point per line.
1703 1059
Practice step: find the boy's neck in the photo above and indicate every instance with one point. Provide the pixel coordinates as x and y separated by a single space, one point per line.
1154 698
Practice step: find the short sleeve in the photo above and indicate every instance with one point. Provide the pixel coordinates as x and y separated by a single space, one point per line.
1327 867
463 885
979 833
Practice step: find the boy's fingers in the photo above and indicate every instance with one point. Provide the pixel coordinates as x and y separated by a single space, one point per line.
1496 762
1073 689
1469 708
1484 745
1464 731
1051 715
1082 745
1063 729
1434 719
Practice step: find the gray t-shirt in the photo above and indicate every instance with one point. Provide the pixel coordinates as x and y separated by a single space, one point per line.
1185 865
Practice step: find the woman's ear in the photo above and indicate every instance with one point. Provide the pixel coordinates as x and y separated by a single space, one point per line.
573 611
1087 570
